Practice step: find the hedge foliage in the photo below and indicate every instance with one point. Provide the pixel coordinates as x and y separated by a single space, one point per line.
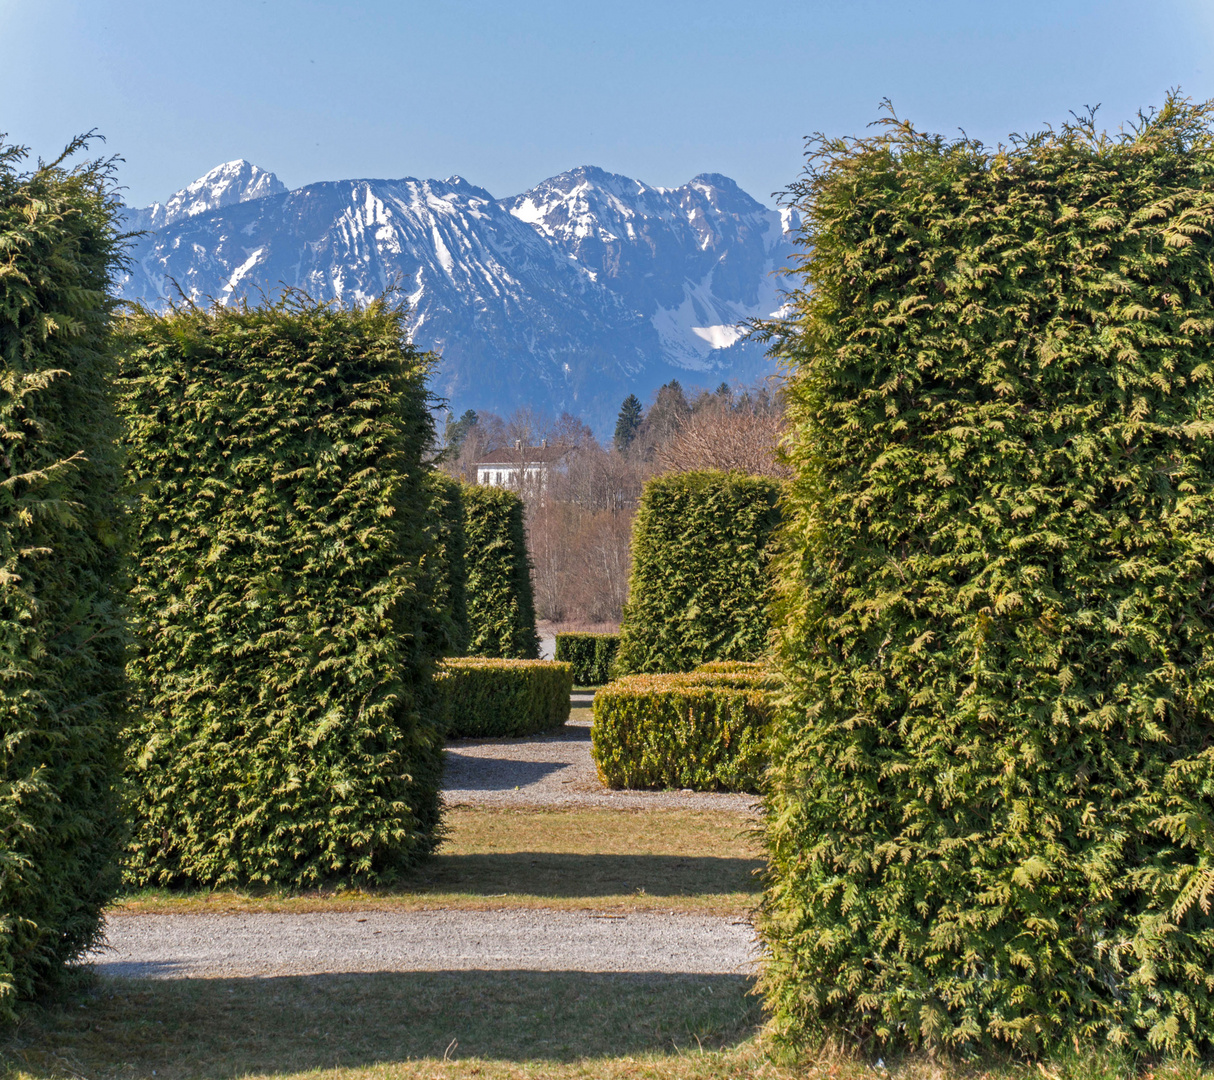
699 590
706 730
285 630
62 635
446 566
492 698
990 819
501 604
590 654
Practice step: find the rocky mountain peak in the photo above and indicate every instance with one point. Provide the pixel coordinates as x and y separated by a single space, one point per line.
572 295
232 182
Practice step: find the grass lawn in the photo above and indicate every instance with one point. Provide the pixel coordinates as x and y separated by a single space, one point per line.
696 861
449 1025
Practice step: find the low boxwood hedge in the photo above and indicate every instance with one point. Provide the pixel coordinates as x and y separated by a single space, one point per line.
590 654
482 696
705 729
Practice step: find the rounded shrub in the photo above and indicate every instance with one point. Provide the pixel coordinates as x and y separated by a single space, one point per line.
991 809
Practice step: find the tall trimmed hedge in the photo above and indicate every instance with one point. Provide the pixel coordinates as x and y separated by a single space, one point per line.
446 565
62 634
700 585
284 636
501 604
991 817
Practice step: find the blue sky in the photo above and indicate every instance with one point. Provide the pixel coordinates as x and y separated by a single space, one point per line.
506 94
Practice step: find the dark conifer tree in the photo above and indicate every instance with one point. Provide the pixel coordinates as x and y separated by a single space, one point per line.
629 422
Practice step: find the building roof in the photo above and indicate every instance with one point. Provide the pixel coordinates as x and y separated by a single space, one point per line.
511 457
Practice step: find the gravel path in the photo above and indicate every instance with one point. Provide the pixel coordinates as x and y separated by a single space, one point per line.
215 946
555 770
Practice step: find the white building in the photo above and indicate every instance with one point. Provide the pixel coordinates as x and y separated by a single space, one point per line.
518 467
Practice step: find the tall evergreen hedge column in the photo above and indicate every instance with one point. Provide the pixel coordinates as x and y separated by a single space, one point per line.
501 602
700 584
991 816
283 634
62 634
446 565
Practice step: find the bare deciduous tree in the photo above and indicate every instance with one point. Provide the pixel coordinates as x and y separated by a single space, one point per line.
728 432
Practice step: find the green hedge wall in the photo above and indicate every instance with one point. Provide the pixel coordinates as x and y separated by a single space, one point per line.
492 698
284 641
501 605
706 730
590 654
991 816
62 634
699 590
445 565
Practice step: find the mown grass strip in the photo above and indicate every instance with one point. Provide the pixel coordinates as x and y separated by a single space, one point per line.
693 861
375 1025
492 1025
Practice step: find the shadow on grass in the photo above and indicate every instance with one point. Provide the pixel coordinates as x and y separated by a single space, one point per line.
288 1024
541 873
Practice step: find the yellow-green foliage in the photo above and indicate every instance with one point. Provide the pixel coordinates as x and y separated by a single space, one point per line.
501 604
62 634
491 698
706 729
699 590
590 654
991 810
285 630
446 565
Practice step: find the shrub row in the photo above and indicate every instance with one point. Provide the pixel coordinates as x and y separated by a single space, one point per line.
62 635
492 698
501 606
283 615
591 656
706 730
990 813
699 590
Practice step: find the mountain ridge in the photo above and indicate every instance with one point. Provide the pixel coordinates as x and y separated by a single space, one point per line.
569 296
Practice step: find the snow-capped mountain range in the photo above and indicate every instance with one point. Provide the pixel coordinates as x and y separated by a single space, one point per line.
570 296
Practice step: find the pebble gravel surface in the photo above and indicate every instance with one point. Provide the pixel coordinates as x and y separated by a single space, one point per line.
251 945
553 770
556 770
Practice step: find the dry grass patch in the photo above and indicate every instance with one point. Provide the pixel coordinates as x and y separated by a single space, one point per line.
692 861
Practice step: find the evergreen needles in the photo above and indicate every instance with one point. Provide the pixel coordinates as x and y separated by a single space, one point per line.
501 604
284 636
61 594
701 546
990 818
